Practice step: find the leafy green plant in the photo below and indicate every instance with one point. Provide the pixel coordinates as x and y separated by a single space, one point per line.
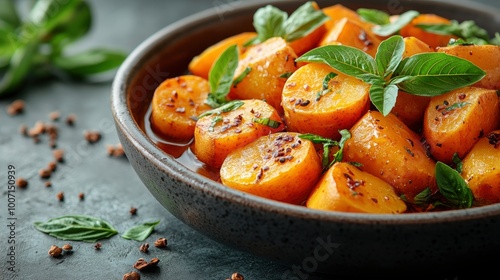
36 47
140 232
77 228
426 74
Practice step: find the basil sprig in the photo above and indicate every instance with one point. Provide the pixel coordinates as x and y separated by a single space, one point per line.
221 75
140 232
270 21
327 145
467 30
77 228
33 47
383 25
425 74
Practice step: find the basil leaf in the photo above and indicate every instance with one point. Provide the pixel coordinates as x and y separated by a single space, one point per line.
77 228
8 14
50 14
436 73
389 55
423 198
383 97
374 16
303 21
221 76
229 106
394 27
348 60
467 30
20 65
89 63
140 232
453 187
339 155
269 22
67 32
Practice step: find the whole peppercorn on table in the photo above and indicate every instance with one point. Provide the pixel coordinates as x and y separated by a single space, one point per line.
71 163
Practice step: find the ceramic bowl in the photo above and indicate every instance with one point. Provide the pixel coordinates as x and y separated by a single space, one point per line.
305 239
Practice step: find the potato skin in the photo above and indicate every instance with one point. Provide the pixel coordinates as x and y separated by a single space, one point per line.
346 188
449 131
214 141
385 147
201 64
176 103
268 61
481 169
278 166
345 102
486 57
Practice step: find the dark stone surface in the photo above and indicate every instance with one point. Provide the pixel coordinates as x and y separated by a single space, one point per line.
110 185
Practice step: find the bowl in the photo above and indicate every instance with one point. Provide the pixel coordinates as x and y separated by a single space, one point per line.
307 240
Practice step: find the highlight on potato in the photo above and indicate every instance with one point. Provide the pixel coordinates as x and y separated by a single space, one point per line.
344 110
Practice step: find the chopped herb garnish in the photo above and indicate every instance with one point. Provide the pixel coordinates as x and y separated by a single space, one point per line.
242 76
457 161
267 121
466 30
327 145
454 106
286 75
324 89
229 106
392 28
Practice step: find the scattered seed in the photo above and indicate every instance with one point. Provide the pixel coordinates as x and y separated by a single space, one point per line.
21 183
58 155
55 251
37 129
67 247
70 119
16 107
133 210
52 166
48 184
161 242
92 136
132 276
81 196
237 276
144 247
54 116
98 246
115 150
60 196
44 173
23 129
142 264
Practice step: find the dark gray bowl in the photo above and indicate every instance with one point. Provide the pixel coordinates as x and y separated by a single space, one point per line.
340 243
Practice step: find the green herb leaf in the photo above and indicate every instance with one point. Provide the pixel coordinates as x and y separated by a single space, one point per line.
326 81
267 122
90 63
20 65
374 16
221 76
8 14
348 60
303 21
458 162
230 106
453 187
140 232
390 55
241 76
436 73
327 145
270 21
423 198
339 155
467 30
77 228
394 27
383 97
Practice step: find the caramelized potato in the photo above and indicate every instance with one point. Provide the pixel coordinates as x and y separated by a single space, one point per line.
215 136
431 39
201 64
176 103
385 147
350 33
310 41
308 108
346 188
455 121
338 11
486 57
268 61
481 169
278 166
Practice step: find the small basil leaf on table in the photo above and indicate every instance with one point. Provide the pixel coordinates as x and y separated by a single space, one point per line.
77 228
140 232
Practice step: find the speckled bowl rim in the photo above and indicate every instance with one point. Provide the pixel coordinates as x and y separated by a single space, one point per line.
126 123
